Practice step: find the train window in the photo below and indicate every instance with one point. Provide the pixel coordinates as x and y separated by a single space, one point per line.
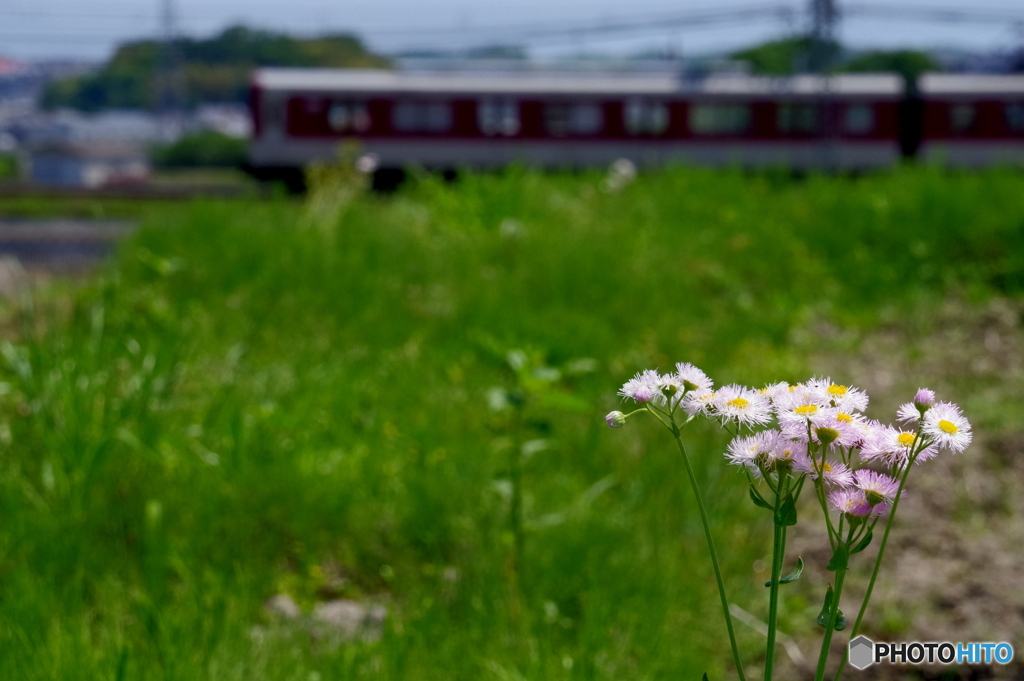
796 118
961 117
348 117
858 119
645 117
422 117
562 119
498 117
1015 116
719 119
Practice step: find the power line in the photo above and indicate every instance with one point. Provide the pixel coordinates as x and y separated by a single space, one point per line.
936 14
700 17
824 16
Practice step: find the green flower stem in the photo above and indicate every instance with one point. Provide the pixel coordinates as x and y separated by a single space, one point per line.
714 554
826 641
778 555
878 565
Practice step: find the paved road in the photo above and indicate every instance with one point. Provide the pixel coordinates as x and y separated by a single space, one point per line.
59 244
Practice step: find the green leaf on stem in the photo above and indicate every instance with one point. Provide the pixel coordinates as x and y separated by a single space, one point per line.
792 576
795 574
705 677
826 609
862 544
758 499
786 514
826 613
840 559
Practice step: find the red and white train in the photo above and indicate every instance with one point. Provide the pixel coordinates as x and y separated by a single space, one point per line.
447 121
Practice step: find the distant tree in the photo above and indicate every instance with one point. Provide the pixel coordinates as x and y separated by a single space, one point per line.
780 57
792 55
8 167
206 149
908 63
215 69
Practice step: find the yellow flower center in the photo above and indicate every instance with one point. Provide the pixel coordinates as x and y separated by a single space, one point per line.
791 388
826 467
739 403
948 427
786 453
806 409
845 418
837 389
906 439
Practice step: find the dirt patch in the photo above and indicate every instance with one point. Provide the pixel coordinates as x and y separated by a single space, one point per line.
952 570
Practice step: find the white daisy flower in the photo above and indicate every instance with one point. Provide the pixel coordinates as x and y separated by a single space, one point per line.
866 429
947 427
742 405
753 452
908 413
845 398
643 387
852 502
894 447
787 449
878 487
834 472
692 378
794 396
773 390
837 429
796 417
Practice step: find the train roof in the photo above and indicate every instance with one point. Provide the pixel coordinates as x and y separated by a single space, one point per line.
371 81
970 84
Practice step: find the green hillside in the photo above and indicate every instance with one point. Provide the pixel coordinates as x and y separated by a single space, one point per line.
210 70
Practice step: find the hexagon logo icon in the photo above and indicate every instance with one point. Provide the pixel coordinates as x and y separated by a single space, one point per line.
862 652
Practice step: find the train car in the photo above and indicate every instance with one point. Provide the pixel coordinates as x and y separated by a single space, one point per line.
573 120
971 120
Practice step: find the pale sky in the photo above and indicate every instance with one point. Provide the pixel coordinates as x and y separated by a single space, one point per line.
91 28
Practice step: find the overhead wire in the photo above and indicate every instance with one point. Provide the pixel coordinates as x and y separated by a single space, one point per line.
536 33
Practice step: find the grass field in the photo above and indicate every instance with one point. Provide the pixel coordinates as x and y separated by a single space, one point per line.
266 397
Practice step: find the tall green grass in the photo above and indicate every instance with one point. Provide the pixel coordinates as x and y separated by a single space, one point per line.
251 400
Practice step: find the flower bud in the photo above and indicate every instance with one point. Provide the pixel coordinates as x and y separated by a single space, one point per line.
874 498
826 436
615 419
924 399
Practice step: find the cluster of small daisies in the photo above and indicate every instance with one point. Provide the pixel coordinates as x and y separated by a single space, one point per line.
816 428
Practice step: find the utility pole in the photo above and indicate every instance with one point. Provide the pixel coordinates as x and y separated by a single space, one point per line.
169 86
824 17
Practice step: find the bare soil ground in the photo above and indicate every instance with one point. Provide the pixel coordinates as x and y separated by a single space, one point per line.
952 569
